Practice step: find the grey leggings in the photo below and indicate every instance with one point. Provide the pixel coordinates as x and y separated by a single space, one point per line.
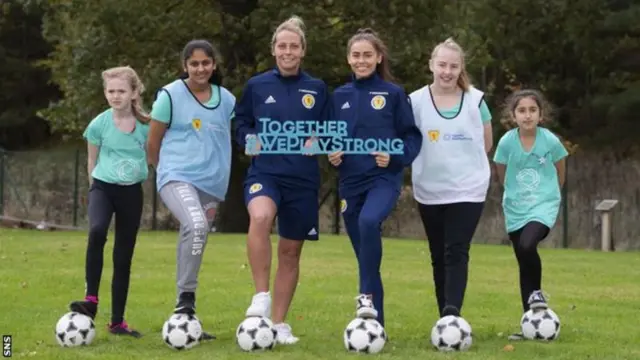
195 210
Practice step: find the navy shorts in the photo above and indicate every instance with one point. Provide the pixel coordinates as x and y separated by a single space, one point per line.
297 207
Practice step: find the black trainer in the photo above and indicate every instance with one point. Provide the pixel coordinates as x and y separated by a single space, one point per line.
187 305
88 308
123 329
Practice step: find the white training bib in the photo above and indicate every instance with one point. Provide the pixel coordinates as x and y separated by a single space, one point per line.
452 165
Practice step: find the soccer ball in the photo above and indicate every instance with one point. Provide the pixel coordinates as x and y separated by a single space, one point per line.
182 331
451 333
256 333
540 325
75 329
364 336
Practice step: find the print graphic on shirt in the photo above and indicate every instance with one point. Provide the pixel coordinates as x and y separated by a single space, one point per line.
343 205
345 105
197 124
434 135
128 170
528 181
378 102
308 101
270 100
255 188
542 160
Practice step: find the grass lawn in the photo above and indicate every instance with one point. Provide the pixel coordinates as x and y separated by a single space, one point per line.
594 294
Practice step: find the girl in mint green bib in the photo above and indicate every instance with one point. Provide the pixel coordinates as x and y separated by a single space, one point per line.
530 162
117 168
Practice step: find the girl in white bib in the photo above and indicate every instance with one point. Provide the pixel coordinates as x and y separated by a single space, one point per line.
451 174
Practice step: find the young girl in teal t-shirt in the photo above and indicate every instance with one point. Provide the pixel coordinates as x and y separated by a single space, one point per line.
530 162
117 167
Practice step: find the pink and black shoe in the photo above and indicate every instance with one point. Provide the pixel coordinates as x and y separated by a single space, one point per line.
122 328
88 307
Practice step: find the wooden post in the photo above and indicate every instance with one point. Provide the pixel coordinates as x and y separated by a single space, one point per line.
605 207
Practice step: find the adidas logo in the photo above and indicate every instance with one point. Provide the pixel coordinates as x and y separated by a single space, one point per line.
313 232
346 105
270 100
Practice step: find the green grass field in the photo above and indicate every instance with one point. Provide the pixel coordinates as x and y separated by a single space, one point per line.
595 294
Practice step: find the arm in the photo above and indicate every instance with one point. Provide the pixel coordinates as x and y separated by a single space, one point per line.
157 130
561 168
488 137
500 158
407 130
500 170
92 157
559 155
244 122
488 128
161 113
93 135
325 115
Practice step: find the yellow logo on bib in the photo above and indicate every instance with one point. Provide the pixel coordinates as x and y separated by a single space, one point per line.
308 101
196 123
378 102
434 135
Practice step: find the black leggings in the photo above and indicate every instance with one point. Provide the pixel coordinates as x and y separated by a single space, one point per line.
450 229
125 201
525 245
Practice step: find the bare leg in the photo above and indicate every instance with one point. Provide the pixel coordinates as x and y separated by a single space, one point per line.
262 211
286 277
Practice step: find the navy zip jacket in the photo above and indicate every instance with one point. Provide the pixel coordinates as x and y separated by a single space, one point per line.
374 109
279 98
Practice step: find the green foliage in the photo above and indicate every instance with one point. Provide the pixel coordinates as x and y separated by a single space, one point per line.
24 87
92 36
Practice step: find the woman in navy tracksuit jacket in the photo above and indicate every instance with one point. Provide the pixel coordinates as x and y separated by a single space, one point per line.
370 184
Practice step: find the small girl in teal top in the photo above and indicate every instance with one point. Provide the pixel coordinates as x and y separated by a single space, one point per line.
117 167
530 162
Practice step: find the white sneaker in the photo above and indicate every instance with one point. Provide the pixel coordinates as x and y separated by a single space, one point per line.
260 305
284 335
364 307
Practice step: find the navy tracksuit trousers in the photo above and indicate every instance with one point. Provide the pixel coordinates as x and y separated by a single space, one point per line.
363 216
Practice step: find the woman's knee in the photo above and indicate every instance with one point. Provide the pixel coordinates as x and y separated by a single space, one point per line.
262 212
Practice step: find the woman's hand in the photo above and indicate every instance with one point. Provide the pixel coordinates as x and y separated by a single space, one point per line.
382 159
336 158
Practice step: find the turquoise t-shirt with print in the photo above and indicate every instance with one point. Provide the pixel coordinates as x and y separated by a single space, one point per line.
122 157
531 188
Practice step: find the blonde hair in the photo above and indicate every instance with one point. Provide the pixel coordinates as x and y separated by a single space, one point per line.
464 81
130 75
293 24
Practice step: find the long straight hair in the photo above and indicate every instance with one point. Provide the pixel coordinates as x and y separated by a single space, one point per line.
383 69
